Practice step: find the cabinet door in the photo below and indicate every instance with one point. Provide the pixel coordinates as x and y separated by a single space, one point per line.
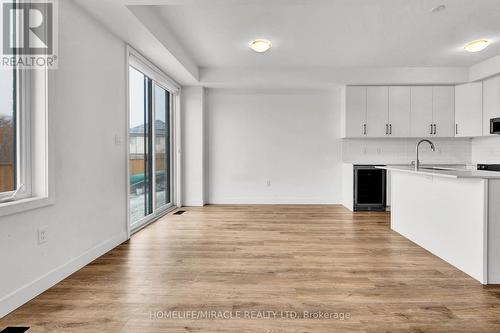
421 111
443 111
355 111
469 109
399 111
377 111
491 102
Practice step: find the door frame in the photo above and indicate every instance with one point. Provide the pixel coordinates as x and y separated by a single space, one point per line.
135 59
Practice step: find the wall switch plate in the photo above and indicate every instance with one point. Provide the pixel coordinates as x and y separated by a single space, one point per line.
268 183
43 234
118 140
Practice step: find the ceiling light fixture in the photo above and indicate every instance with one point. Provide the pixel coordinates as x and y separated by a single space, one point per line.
260 45
477 45
438 9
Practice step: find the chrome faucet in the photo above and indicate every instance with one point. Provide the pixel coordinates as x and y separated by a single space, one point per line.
417 162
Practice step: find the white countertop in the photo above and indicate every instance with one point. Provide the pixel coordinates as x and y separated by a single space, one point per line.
450 172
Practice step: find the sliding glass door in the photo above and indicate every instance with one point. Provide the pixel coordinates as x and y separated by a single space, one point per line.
150 139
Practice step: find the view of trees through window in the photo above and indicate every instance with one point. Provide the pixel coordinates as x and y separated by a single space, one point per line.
7 131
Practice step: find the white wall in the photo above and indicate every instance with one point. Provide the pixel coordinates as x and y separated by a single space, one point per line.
89 214
289 137
486 150
193 146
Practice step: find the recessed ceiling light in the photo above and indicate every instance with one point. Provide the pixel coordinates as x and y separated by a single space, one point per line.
439 8
477 45
260 45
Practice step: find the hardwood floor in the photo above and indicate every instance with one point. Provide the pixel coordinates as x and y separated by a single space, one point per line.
266 258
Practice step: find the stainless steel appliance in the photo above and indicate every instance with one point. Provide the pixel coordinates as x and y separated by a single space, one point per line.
489 167
495 126
369 188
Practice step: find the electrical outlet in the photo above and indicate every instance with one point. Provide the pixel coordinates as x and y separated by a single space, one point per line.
379 150
43 236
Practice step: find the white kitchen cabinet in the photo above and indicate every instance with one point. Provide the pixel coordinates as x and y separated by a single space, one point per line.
377 111
491 102
421 111
469 110
399 111
443 111
355 117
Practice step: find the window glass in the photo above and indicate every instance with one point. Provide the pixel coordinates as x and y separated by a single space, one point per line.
162 146
138 132
7 131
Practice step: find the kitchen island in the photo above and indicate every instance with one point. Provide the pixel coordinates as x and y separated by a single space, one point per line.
452 213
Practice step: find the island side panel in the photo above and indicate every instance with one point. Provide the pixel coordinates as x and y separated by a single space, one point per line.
445 216
348 186
494 232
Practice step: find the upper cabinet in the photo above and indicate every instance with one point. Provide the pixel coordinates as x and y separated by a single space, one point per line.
355 112
491 102
421 112
469 110
377 111
399 111
432 111
443 111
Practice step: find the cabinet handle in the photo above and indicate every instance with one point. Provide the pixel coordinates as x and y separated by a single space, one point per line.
431 129
456 128
435 130
386 129
390 129
364 129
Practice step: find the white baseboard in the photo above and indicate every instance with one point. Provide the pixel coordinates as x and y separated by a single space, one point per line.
348 206
193 203
273 200
29 291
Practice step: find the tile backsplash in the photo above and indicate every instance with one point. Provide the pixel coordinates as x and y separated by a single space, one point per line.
402 151
486 150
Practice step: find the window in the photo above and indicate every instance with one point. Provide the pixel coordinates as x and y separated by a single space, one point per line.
23 138
152 99
8 115
15 108
24 105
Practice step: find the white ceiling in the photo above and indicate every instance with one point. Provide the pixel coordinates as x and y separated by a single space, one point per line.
334 33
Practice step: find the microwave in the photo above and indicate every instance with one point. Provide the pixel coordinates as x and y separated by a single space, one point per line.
495 126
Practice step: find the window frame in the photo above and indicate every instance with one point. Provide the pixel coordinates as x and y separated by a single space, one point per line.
32 142
21 136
